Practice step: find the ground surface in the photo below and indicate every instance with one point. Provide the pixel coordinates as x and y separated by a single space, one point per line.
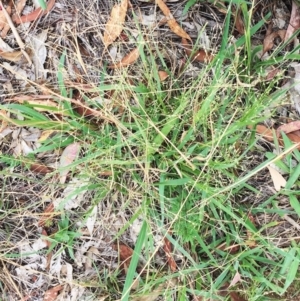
149 150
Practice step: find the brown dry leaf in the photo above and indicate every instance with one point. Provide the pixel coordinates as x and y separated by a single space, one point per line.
269 39
40 169
278 180
235 280
272 74
45 135
250 242
236 297
268 135
221 6
294 138
127 60
105 173
203 56
48 243
33 15
168 251
4 26
294 23
174 26
19 6
83 110
197 298
163 75
125 254
68 156
239 24
14 56
232 249
90 254
264 131
47 215
199 56
269 29
114 26
252 219
52 293
297 133
289 127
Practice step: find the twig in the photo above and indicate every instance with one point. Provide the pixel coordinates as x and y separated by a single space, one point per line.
16 34
291 221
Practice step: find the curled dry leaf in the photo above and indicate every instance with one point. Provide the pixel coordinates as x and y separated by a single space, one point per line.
294 138
199 56
19 6
174 26
39 54
114 26
92 251
268 135
40 169
289 127
52 293
278 180
239 24
264 131
271 74
14 56
47 215
236 297
168 251
45 135
83 110
127 60
125 254
37 13
235 280
231 249
297 133
252 219
269 39
163 75
4 26
68 156
294 23
47 242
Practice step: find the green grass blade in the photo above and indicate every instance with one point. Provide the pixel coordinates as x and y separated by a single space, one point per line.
42 4
60 77
291 275
293 178
295 203
133 263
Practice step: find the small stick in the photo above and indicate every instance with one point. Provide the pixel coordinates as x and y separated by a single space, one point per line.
291 221
16 34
